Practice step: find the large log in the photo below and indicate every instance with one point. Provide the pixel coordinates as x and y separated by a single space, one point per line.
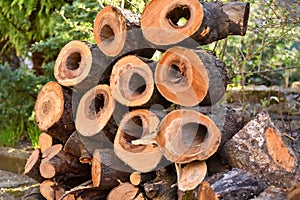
33 164
206 22
117 33
95 110
259 149
189 77
54 111
63 167
81 65
135 125
187 135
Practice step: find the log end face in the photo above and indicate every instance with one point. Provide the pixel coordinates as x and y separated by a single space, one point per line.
125 191
49 105
47 170
32 161
110 30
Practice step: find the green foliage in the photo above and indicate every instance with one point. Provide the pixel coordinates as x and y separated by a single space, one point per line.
18 91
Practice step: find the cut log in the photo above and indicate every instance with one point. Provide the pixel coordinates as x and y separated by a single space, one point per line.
235 184
259 149
95 110
187 135
32 166
138 178
77 148
272 193
294 192
45 141
54 111
64 167
163 187
108 170
189 77
190 175
51 190
205 192
135 125
117 33
126 191
187 21
81 65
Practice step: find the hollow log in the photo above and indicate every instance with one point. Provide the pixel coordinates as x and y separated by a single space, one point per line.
235 184
138 178
187 135
95 110
117 33
193 22
63 167
81 65
189 176
54 111
76 146
189 77
32 166
135 125
107 169
126 191
259 149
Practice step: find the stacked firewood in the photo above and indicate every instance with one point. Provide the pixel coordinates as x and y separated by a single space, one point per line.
118 125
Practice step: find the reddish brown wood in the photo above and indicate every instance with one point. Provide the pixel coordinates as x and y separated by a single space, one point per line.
117 33
189 77
52 190
125 191
32 166
205 192
54 111
45 141
187 135
206 22
135 125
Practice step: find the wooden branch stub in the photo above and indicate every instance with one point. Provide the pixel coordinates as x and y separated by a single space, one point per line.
135 125
32 166
259 149
125 191
94 110
54 111
187 135
132 81
189 77
190 175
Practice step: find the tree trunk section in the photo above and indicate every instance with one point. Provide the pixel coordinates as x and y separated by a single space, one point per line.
45 141
136 125
187 135
32 166
259 149
82 66
52 190
191 77
125 191
138 178
205 22
95 110
117 33
54 111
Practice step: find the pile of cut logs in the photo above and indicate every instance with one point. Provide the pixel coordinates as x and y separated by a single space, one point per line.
119 125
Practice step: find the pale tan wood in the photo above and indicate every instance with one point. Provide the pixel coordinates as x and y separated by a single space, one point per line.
32 165
45 141
135 125
187 135
125 191
137 178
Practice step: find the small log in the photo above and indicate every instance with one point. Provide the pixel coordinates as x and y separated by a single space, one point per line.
126 191
95 110
272 193
45 141
163 187
138 178
259 149
108 170
205 192
64 167
206 22
187 135
190 175
54 111
76 146
32 166
235 184
52 190
137 124
189 77
81 65
117 33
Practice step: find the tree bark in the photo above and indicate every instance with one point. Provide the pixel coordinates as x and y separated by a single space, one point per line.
117 33
54 111
125 191
32 166
259 149
206 22
191 77
138 178
187 135
82 66
272 193
137 124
